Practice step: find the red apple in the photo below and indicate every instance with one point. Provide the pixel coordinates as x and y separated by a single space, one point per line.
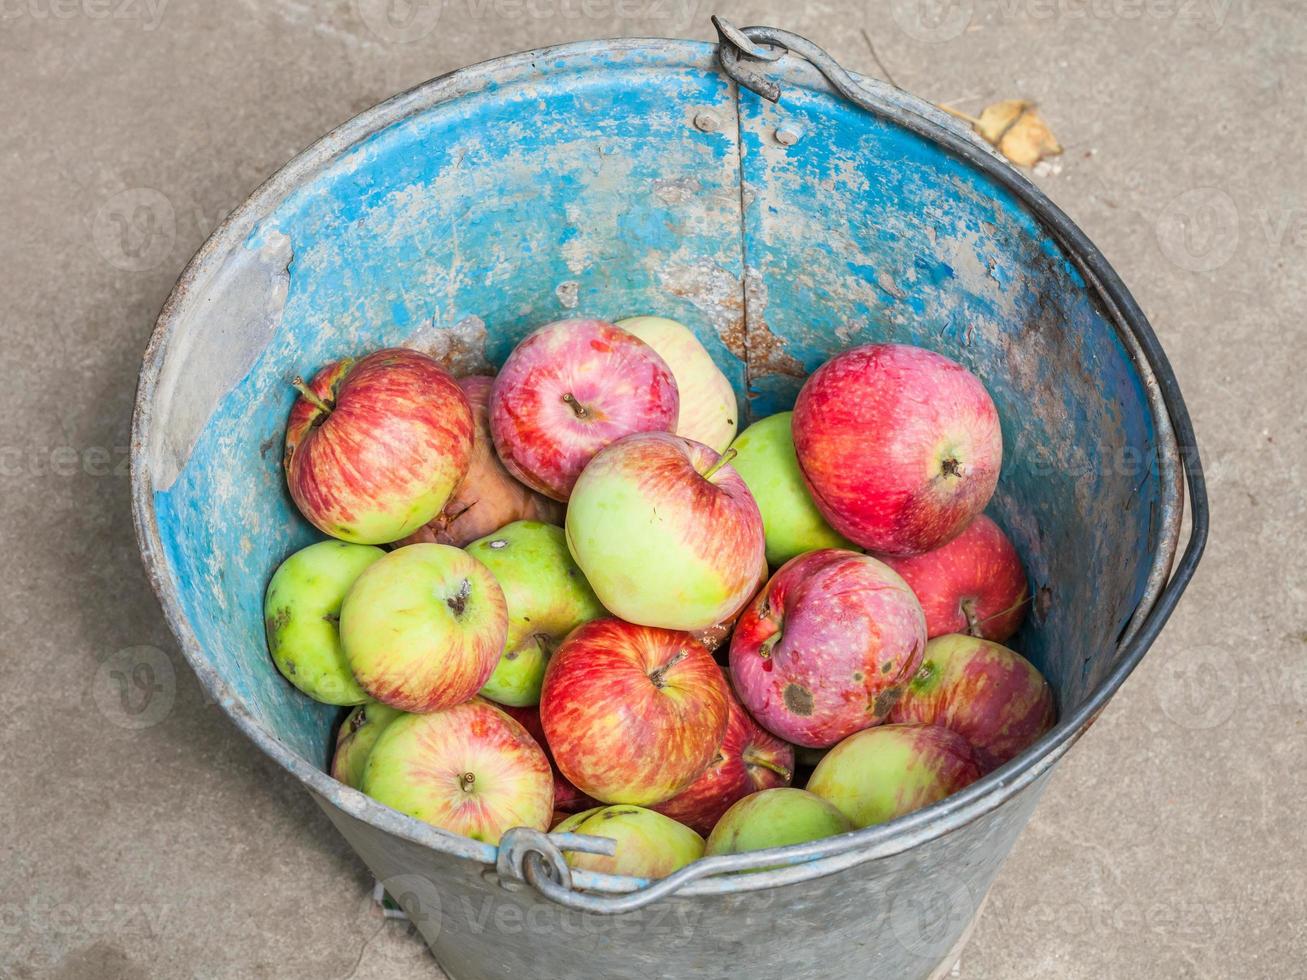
991 696
827 647
632 713
973 584
374 448
748 760
568 390
666 532
469 769
567 798
488 497
899 446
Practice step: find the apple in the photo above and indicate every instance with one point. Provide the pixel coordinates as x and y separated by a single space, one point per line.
973 584
632 713
569 389
708 410
715 636
666 532
488 496
899 446
469 769
567 798
301 610
375 447
775 818
649 845
748 760
358 733
547 597
765 460
826 648
877 775
423 627
988 694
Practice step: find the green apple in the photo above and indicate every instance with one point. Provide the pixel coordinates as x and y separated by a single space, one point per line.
764 458
302 611
649 845
708 412
358 733
775 818
547 598
882 773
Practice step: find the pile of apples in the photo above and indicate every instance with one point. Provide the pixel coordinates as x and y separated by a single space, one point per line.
573 543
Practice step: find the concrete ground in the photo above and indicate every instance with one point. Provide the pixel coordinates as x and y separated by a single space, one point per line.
148 838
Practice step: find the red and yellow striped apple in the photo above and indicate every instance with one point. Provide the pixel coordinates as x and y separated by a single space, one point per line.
633 714
649 845
749 759
899 446
883 773
666 532
988 694
827 646
488 497
469 769
568 390
375 447
423 627
973 584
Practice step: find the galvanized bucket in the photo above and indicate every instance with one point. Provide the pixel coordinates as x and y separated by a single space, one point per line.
655 176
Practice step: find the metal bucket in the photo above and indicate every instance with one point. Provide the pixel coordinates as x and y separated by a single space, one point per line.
654 176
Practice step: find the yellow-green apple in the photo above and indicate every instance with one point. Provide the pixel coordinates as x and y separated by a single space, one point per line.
775 818
569 389
358 733
666 532
423 627
900 446
991 696
973 584
883 773
632 713
649 845
567 798
469 769
708 410
826 648
375 447
749 759
547 597
488 497
765 460
301 611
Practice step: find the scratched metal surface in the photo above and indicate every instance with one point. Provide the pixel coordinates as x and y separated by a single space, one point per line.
574 181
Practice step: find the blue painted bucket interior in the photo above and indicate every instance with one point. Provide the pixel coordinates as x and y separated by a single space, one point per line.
582 186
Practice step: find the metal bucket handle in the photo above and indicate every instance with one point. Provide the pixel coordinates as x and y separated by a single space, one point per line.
536 858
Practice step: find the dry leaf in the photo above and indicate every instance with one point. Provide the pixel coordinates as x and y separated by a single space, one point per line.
1015 128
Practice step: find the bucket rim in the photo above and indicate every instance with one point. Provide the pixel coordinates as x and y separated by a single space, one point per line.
806 861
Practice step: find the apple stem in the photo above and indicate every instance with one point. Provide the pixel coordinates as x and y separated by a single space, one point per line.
765 649
969 611
659 674
722 460
466 781
785 772
576 406
309 395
